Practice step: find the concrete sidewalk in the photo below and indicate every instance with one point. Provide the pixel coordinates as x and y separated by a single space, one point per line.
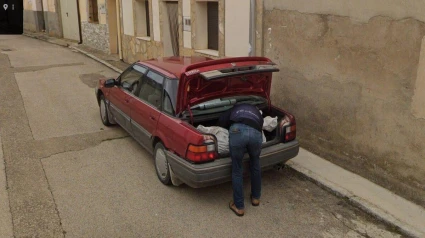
406 216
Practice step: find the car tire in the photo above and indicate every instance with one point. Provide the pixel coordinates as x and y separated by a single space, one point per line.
104 113
161 164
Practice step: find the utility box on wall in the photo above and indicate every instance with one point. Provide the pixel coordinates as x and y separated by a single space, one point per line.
186 24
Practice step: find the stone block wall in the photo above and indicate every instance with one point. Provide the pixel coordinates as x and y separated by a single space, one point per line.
138 49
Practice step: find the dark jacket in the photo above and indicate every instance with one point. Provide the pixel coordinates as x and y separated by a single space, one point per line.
242 113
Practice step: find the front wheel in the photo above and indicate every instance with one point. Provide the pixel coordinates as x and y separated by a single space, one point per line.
161 164
104 115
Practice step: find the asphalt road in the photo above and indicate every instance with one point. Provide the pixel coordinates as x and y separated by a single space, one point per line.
68 175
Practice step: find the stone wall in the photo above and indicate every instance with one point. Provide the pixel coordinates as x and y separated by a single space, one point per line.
95 36
138 49
350 82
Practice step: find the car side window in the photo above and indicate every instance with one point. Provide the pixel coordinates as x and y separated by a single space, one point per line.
170 95
151 89
167 105
129 80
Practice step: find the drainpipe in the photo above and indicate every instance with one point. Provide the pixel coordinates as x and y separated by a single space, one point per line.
42 16
79 23
119 28
252 31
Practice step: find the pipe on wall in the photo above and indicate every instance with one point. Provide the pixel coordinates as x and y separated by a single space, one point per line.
79 22
119 28
252 31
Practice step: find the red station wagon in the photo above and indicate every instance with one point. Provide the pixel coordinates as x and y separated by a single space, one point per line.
160 102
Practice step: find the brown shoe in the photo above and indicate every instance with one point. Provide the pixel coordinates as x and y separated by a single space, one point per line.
255 202
238 212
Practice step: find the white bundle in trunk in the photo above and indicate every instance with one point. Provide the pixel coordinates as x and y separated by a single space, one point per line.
221 134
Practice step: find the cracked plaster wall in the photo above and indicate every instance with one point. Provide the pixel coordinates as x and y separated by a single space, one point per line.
350 84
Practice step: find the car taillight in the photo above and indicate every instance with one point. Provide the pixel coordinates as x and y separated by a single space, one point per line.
289 129
290 133
202 153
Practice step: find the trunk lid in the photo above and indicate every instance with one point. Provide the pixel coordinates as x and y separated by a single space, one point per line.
223 78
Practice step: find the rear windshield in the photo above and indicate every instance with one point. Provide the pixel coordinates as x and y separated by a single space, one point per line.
223 104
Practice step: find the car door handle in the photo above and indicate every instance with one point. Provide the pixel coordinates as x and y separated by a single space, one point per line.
152 118
127 100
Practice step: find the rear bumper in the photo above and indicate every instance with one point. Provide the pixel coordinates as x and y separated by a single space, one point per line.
220 171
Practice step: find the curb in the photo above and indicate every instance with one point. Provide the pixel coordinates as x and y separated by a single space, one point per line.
356 201
97 59
47 40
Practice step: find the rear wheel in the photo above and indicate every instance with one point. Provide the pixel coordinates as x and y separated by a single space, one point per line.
161 164
104 115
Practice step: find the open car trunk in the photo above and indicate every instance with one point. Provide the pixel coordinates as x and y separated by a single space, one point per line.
225 78
272 137
208 89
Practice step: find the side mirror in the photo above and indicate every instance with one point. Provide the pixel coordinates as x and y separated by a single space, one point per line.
109 83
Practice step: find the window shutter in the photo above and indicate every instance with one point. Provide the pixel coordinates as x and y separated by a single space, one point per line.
212 13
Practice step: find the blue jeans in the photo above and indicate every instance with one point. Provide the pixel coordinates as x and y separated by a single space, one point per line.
242 139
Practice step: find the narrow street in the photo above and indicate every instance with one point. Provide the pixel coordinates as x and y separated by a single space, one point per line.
68 175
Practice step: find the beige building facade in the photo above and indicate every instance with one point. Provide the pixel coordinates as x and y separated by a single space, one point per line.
212 28
43 15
